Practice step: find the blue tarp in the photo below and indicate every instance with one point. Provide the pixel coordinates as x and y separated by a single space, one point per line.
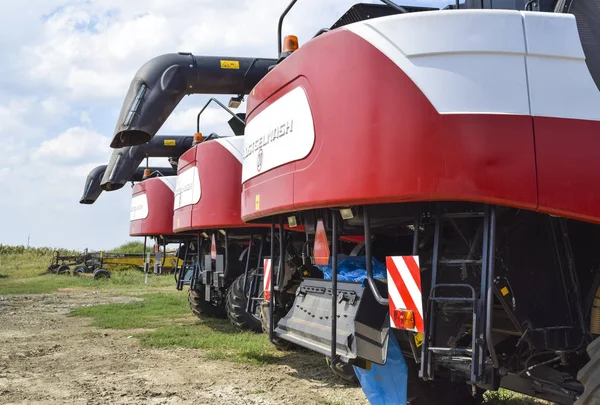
353 268
386 385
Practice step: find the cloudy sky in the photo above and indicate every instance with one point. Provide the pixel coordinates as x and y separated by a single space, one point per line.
66 65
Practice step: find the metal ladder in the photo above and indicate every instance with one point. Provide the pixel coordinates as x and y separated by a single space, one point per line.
481 349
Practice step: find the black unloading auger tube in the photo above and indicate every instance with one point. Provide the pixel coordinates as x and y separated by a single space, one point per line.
125 161
162 82
92 189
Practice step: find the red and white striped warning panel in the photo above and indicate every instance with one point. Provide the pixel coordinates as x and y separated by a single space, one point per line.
267 279
404 290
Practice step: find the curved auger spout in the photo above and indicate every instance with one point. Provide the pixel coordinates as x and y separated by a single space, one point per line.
92 190
162 82
124 161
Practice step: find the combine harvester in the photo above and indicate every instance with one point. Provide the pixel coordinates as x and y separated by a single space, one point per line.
149 102
228 271
151 215
459 145
225 273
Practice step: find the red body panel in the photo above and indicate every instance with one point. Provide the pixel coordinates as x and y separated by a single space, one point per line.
219 206
378 143
568 167
160 208
379 140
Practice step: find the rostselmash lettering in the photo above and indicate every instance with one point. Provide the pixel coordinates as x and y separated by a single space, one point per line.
271 136
183 189
137 207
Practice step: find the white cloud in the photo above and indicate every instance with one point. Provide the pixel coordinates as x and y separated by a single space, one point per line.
75 145
84 118
54 107
14 114
4 173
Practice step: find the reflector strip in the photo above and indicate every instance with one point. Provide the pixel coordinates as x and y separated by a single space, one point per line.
321 247
404 288
267 279
213 248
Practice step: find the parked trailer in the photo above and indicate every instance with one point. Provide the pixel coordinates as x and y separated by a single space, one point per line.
100 264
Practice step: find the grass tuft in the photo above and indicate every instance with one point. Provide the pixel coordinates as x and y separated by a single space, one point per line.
129 248
49 283
505 397
155 310
169 315
217 339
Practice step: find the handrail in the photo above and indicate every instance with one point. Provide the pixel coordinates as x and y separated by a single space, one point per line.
222 105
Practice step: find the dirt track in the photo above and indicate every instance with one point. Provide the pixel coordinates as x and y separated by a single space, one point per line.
47 357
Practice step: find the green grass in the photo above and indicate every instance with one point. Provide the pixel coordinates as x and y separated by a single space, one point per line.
23 271
157 309
169 315
50 283
505 397
129 248
218 339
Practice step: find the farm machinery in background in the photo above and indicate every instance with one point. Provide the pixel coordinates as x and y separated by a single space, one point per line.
100 264
464 168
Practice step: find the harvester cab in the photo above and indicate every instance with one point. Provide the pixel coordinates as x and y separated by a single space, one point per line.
472 204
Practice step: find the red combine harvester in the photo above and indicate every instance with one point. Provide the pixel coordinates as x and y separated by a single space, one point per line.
461 146
227 271
227 276
151 216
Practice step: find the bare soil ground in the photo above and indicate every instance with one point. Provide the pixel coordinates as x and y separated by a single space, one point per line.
49 357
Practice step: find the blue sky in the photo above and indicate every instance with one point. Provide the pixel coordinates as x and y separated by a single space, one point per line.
66 66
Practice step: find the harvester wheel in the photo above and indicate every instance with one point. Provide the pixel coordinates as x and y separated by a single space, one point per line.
235 305
101 273
200 307
277 342
436 392
344 371
63 269
590 377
